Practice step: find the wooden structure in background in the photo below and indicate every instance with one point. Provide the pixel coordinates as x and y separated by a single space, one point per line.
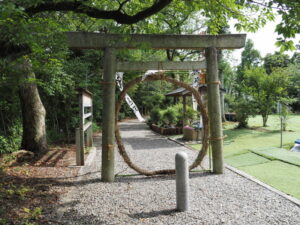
111 42
182 92
84 134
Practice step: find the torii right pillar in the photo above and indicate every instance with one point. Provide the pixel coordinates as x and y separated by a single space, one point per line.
214 110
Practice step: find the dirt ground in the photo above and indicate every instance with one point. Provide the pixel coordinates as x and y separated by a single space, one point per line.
28 189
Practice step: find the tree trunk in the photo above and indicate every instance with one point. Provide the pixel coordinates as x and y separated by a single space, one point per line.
265 119
33 111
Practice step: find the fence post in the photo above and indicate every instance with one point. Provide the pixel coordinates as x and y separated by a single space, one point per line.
90 136
79 155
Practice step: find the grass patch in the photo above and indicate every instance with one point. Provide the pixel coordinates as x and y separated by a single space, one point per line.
239 140
246 159
280 175
279 154
256 151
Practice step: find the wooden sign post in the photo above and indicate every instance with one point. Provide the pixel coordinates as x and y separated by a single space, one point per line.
86 118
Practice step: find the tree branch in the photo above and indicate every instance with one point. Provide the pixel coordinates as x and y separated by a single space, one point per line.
117 15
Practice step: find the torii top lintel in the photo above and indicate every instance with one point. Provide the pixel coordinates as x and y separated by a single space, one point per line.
86 40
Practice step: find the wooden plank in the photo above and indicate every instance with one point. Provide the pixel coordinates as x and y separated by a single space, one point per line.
79 155
86 100
87 125
143 66
87 115
86 40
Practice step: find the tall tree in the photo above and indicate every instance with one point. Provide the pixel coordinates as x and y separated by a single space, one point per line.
265 89
33 111
275 60
250 59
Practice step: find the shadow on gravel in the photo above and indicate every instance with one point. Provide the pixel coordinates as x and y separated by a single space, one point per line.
150 144
152 214
133 126
137 179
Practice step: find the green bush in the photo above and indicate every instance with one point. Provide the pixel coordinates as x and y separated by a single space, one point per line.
173 115
122 116
191 115
4 145
156 116
11 142
243 109
96 127
170 116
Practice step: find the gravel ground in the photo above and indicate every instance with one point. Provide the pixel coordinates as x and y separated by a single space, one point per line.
215 199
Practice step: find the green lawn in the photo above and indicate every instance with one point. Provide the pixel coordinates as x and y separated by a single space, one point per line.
240 139
256 151
282 176
278 154
247 159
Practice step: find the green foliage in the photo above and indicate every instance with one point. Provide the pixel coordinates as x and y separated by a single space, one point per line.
59 71
12 141
13 191
34 214
150 95
250 58
275 60
156 116
172 116
265 90
284 116
244 108
191 114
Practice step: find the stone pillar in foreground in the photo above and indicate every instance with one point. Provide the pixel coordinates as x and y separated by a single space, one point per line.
182 182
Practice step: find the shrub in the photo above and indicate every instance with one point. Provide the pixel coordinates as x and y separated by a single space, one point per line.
170 116
11 142
243 109
191 114
173 115
156 116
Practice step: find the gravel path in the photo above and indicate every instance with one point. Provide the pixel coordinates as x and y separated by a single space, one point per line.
215 199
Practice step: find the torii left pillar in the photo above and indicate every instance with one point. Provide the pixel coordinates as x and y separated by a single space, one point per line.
108 118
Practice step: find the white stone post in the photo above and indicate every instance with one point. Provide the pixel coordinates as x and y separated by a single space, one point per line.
182 182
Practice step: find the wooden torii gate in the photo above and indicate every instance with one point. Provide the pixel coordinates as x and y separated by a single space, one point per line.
111 42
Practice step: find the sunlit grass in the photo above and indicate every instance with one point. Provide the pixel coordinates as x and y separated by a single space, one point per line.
256 151
282 176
